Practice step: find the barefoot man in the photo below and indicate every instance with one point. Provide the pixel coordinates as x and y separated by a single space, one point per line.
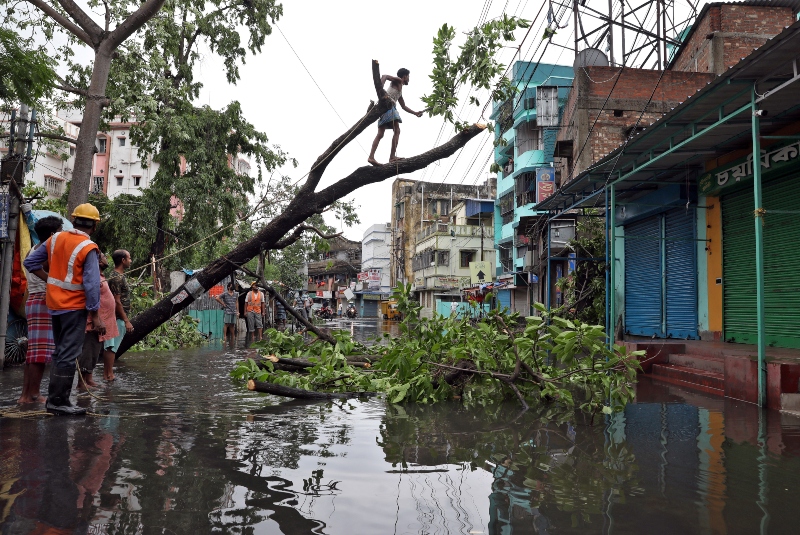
392 117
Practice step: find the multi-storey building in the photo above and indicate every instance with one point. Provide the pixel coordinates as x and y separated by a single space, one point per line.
374 282
52 161
526 127
444 251
417 205
117 167
331 271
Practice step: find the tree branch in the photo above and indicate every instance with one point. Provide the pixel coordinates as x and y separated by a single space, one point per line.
135 21
374 113
108 15
65 23
370 174
286 242
83 20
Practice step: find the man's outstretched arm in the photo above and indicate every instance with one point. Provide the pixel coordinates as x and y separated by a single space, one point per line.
407 109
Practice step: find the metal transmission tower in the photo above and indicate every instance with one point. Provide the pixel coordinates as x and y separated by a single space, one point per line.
633 33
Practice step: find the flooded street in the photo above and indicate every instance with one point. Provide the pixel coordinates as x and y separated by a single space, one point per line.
175 446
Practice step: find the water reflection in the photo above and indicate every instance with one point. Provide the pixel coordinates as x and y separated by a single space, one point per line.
179 448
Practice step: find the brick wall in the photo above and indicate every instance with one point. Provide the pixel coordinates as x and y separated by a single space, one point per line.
617 113
728 33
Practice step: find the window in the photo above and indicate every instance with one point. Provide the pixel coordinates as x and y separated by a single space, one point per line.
101 145
505 258
54 185
400 209
137 180
466 258
121 141
527 137
507 207
119 180
444 258
97 185
72 151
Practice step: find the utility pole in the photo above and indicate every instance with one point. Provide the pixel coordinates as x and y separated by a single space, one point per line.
481 238
13 170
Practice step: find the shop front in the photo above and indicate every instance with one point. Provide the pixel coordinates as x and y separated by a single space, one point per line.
781 227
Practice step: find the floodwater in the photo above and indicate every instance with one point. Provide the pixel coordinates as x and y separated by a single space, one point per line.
175 446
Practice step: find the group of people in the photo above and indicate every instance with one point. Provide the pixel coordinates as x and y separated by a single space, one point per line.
75 314
254 311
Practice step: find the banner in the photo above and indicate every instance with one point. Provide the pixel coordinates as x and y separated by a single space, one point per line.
545 183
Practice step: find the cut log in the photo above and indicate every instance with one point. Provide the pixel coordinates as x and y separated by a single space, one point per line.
305 363
299 393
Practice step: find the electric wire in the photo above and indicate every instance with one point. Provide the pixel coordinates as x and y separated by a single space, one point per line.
315 81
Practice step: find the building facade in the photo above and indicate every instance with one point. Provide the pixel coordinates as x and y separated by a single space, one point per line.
375 269
701 212
417 205
444 251
526 128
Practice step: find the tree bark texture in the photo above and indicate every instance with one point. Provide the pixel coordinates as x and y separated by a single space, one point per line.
85 146
307 203
299 393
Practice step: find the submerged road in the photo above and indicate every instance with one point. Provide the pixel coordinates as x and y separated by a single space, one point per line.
175 446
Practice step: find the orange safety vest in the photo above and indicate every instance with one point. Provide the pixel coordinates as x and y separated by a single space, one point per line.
251 304
66 252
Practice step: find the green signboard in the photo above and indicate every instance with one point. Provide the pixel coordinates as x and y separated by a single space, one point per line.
725 177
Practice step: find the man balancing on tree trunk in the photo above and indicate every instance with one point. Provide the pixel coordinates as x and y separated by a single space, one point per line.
392 117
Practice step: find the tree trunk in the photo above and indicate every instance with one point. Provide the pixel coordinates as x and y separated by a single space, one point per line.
300 209
307 203
85 146
299 393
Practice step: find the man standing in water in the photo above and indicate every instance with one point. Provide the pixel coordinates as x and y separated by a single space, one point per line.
73 293
392 117
230 309
118 284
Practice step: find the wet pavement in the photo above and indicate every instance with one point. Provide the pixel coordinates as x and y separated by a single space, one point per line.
175 446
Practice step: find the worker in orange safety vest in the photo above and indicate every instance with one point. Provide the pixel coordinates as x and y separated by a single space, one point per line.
254 312
73 293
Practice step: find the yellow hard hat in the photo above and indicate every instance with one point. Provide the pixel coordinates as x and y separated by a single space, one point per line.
86 211
254 283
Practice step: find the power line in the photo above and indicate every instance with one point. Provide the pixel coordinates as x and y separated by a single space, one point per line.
315 82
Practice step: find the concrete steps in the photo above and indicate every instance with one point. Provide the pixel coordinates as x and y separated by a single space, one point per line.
700 362
696 375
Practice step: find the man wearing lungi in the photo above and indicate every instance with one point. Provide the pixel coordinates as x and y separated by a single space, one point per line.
392 117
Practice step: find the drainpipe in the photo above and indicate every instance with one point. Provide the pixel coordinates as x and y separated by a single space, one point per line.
547 292
759 223
613 270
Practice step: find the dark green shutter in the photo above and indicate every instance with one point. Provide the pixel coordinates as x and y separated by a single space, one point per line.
781 256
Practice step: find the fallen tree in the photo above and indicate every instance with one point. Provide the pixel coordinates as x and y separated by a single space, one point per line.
287 227
475 65
537 360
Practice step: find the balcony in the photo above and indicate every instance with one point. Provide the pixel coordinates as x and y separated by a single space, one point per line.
441 229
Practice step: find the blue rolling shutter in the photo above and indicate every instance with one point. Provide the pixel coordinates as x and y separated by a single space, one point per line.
370 309
504 299
681 264
643 300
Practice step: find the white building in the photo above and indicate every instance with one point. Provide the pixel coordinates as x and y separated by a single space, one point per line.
375 250
444 251
52 161
117 166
